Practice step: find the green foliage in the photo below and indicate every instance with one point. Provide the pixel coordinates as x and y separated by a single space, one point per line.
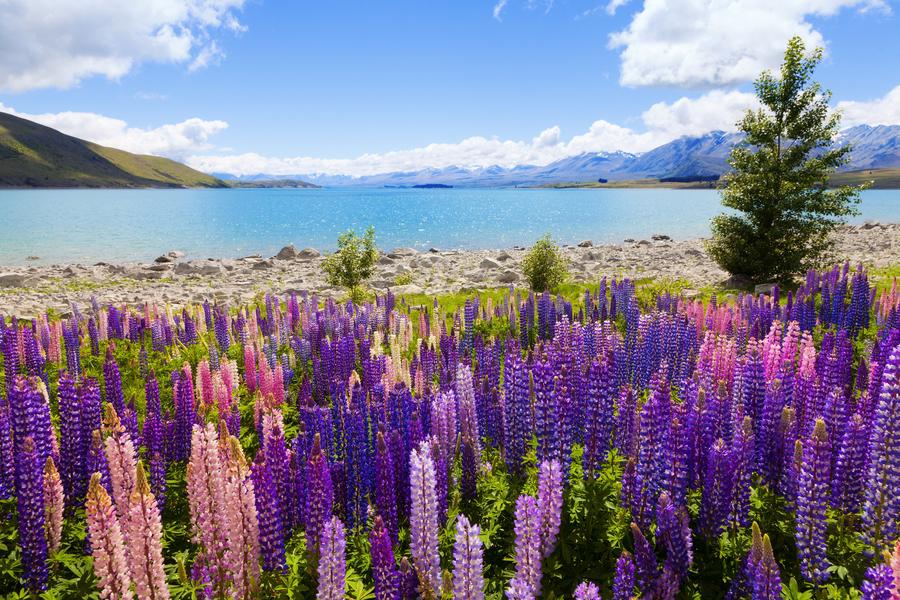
353 262
544 265
403 279
784 213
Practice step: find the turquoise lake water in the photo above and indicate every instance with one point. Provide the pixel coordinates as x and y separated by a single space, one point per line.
87 226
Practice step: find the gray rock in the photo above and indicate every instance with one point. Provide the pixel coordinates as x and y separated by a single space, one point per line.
385 260
175 254
264 264
689 293
402 252
165 258
508 277
504 256
586 244
764 288
737 282
308 253
433 250
159 267
199 267
12 280
644 243
660 237
488 264
409 289
629 240
286 253
869 225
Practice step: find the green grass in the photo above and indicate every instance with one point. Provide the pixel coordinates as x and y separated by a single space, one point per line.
880 179
32 155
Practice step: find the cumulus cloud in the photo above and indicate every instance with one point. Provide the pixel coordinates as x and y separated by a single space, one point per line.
173 140
716 110
881 111
49 43
693 43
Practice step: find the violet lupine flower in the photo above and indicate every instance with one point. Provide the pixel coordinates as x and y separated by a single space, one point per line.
384 566
319 494
848 478
878 584
7 463
812 501
144 535
72 455
526 584
766 580
674 531
332 561
385 488
550 499
30 505
516 412
423 521
881 510
587 591
468 561
54 505
409 582
646 565
107 545
717 483
623 582
271 529
601 394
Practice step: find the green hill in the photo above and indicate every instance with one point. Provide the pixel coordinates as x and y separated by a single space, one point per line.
32 155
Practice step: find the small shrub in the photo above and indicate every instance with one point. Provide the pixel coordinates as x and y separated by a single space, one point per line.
545 266
353 262
403 279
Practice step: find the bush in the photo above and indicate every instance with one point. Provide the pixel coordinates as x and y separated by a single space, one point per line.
545 266
353 262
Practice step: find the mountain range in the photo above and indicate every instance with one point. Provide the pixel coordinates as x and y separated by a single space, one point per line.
874 147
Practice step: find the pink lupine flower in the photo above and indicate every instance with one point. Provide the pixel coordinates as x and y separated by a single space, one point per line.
121 458
332 567
143 532
424 521
53 505
243 525
107 547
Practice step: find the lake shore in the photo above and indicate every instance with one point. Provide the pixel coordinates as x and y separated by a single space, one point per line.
29 290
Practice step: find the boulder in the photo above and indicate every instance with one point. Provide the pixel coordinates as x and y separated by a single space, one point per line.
402 252
660 237
629 240
737 282
508 277
503 257
409 289
264 264
286 253
161 267
199 267
586 244
764 288
385 260
433 250
175 254
644 243
165 258
488 264
8 280
308 253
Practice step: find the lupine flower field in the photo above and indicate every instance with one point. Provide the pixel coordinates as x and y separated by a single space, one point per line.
615 445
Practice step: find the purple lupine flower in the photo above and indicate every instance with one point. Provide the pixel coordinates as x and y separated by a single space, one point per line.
271 532
468 559
319 494
674 531
742 449
526 584
646 565
384 566
469 467
881 510
385 488
30 505
409 582
516 411
423 521
7 463
332 568
72 458
878 584
112 378
717 483
550 499
587 591
601 394
848 477
31 416
766 580
623 582
812 501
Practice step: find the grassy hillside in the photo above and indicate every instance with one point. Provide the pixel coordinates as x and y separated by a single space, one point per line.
881 179
32 155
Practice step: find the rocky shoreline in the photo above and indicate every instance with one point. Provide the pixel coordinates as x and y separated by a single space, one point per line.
28 290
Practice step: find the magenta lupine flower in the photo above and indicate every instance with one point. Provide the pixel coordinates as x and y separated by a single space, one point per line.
881 511
53 506
423 521
587 591
30 505
550 499
812 501
107 545
243 525
623 582
332 561
384 566
526 584
468 559
144 536
319 494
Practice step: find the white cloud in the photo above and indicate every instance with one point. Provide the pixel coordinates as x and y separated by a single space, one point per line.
174 140
498 9
54 43
615 5
881 111
694 43
716 110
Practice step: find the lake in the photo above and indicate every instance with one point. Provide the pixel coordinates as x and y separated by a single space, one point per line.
87 226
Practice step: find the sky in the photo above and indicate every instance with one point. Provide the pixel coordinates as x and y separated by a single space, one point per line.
360 87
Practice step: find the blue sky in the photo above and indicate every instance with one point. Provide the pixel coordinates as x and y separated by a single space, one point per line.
357 87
